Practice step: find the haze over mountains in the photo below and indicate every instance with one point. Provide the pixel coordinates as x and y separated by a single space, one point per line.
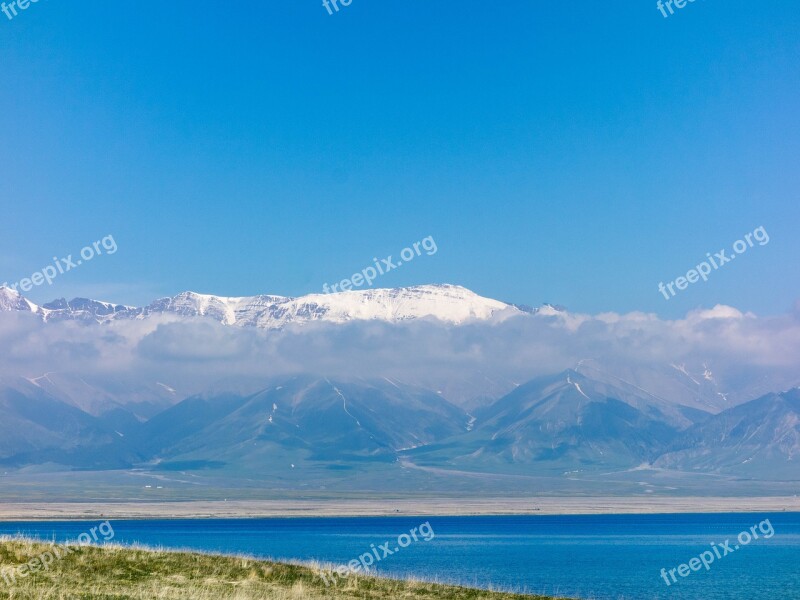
558 426
382 386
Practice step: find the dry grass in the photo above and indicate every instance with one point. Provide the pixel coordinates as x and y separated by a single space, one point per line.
117 573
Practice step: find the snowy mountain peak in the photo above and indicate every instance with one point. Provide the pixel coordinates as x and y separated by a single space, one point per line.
11 300
449 303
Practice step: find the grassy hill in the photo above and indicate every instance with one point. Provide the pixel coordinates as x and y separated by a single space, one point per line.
113 572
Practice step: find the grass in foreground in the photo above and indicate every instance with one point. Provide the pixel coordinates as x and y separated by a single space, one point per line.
114 572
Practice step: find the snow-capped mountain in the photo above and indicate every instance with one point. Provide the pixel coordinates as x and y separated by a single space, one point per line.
12 301
448 303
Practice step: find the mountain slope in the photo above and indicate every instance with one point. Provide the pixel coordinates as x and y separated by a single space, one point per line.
559 423
121 406
37 428
760 438
302 419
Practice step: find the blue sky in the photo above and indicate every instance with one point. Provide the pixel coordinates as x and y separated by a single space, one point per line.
569 152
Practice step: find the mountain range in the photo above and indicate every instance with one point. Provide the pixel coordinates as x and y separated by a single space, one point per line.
562 425
447 303
312 431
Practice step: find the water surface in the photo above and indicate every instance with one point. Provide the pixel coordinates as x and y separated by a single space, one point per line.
602 557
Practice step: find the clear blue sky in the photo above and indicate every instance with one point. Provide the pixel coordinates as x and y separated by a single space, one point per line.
567 152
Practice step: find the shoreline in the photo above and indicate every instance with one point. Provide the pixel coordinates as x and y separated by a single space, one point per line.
401 507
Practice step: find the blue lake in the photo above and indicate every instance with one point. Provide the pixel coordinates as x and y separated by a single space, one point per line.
600 557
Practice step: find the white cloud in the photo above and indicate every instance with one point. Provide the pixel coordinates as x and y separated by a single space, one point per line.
193 353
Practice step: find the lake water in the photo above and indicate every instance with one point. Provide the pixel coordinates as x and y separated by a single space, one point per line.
599 557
